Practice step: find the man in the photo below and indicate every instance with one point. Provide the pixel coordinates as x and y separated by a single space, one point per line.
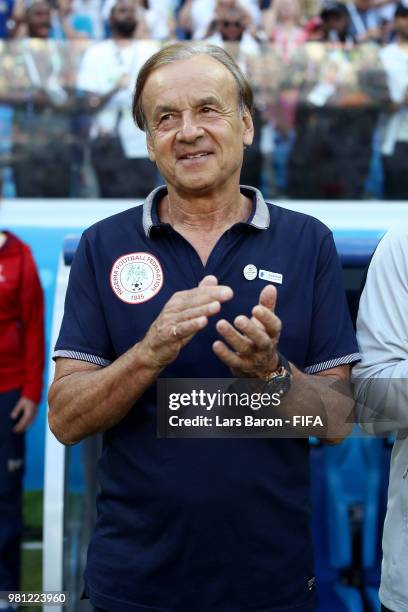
335 22
175 289
118 150
231 27
197 16
382 395
42 149
394 145
21 372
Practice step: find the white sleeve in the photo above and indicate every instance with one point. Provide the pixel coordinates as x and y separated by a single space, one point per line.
381 377
87 78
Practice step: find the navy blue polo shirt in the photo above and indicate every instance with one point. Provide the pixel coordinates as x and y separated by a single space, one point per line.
203 525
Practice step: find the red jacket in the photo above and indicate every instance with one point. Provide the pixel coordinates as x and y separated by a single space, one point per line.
21 320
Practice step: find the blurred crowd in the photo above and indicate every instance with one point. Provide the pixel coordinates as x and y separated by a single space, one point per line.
330 81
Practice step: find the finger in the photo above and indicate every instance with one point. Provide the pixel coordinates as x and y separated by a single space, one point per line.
230 358
187 329
201 295
267 297
207 310
208 281
258 336
18 409
237 341
269 320
22 424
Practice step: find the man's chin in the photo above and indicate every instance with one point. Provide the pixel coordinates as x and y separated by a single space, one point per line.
196 186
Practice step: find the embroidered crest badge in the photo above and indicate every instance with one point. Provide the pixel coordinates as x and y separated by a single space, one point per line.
136 277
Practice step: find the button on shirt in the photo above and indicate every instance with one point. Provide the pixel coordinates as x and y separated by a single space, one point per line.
204 524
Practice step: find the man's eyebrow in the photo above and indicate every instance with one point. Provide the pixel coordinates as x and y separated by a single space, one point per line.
210 100
165 108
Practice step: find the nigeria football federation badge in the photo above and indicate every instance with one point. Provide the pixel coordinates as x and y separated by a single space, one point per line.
136 277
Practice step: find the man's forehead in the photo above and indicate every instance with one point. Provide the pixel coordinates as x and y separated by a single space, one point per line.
200 70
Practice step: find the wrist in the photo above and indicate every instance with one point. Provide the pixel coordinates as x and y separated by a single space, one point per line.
149 357
280 379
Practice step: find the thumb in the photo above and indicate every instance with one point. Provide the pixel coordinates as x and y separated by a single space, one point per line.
209 281
268 296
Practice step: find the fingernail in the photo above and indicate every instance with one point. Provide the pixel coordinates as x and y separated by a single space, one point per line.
226 293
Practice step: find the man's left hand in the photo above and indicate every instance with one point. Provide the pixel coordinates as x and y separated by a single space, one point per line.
25 411
253 341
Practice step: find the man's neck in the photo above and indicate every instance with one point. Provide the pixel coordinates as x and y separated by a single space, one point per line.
209 214
122 41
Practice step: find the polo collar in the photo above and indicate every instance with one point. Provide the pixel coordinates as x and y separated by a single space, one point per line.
259 217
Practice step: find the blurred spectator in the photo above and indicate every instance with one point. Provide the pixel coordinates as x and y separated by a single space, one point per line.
394 145
118 148
21 378
282 26
155 18
368 20
198 17
231 27
231 33
40 91
62 23
333 24
335 121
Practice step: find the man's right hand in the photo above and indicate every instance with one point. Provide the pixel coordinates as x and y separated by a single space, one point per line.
185 314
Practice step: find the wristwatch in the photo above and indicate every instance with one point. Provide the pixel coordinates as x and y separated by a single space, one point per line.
280 380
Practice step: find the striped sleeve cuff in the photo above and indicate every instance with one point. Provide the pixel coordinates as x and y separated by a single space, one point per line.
332 363
82 357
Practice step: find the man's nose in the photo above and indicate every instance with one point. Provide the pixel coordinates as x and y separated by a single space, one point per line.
190 128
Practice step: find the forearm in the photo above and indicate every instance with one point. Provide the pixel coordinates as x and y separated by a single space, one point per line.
86 402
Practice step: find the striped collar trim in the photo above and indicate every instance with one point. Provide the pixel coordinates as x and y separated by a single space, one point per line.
260 217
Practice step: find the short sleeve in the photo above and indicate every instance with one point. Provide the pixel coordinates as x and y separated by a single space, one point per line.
332 340
84 334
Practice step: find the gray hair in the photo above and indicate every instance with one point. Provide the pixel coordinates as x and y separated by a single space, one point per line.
183 51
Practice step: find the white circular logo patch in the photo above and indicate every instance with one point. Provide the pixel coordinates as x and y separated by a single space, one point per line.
136 277
250 272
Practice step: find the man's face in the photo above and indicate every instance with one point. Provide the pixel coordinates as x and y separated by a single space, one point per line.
196 133
231 25
123 19
39 20
335 22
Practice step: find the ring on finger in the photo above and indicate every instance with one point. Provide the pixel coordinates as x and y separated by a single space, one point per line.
174 331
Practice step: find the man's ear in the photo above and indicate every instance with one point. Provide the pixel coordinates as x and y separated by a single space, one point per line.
248 135
150 147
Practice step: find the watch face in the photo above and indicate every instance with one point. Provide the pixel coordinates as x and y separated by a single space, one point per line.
280 381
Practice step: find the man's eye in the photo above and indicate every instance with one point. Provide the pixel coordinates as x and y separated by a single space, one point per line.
206 110
166 117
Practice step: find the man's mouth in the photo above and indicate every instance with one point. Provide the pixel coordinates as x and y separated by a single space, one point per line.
195 155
